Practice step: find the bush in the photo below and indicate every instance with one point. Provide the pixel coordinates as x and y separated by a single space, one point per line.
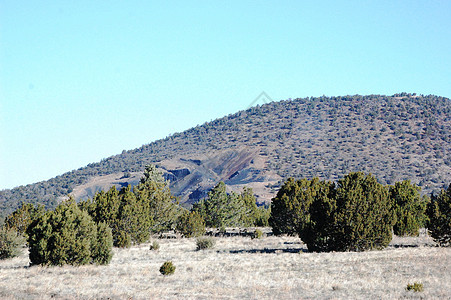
101 253
410 208
203 243
21 218
257 234
155 246
122 240
191 224
290 206
11 243
262 217
221 209
364 216
439 214
68 236
416 287
167 268
355 215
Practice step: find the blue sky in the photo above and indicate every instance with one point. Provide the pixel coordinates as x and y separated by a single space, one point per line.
84 80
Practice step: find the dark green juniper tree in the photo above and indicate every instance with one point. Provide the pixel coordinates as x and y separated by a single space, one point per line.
409 206
439 214
68 235
221 209
354 215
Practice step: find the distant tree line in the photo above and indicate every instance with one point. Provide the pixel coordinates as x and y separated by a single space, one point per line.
355 214
85 232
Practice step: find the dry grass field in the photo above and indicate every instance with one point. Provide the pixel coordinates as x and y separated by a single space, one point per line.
241 268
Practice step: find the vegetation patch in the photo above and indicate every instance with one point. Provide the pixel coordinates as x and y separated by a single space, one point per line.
167 268
203 243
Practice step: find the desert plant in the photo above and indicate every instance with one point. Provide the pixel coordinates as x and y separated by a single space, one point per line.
257 234
439 214
262 216
409 206
167 268
191 224
290 206
101 252
22 217
68 235
155 246
11 243
203 243
416 287
364 216
221 209
354 216
122 240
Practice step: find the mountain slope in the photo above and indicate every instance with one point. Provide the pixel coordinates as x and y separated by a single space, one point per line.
394 137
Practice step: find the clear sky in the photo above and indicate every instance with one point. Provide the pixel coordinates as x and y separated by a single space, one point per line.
84 80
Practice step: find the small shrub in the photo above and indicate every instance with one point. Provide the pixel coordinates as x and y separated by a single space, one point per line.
155 246
258 234
203 243
123 240
191 224
416 287
11 243
167 268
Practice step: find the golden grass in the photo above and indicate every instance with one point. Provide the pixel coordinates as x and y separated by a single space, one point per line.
241 268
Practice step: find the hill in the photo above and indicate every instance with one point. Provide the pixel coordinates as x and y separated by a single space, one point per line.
404 136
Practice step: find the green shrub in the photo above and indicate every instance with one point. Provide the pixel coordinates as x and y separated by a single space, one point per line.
410 208
222 209
257 234
101 253
122 240
154 246
354 215
167 268
191 224
262 217
11 243
416 287
68 236
21 218
203 243
439 214
289 209
364 216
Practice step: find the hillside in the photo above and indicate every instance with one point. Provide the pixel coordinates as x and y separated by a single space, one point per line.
397 137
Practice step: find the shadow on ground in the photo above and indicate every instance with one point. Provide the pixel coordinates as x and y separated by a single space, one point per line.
269 250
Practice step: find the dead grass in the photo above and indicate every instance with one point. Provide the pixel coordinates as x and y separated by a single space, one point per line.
241 268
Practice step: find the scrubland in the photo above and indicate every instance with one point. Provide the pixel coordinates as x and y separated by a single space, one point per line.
241 268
